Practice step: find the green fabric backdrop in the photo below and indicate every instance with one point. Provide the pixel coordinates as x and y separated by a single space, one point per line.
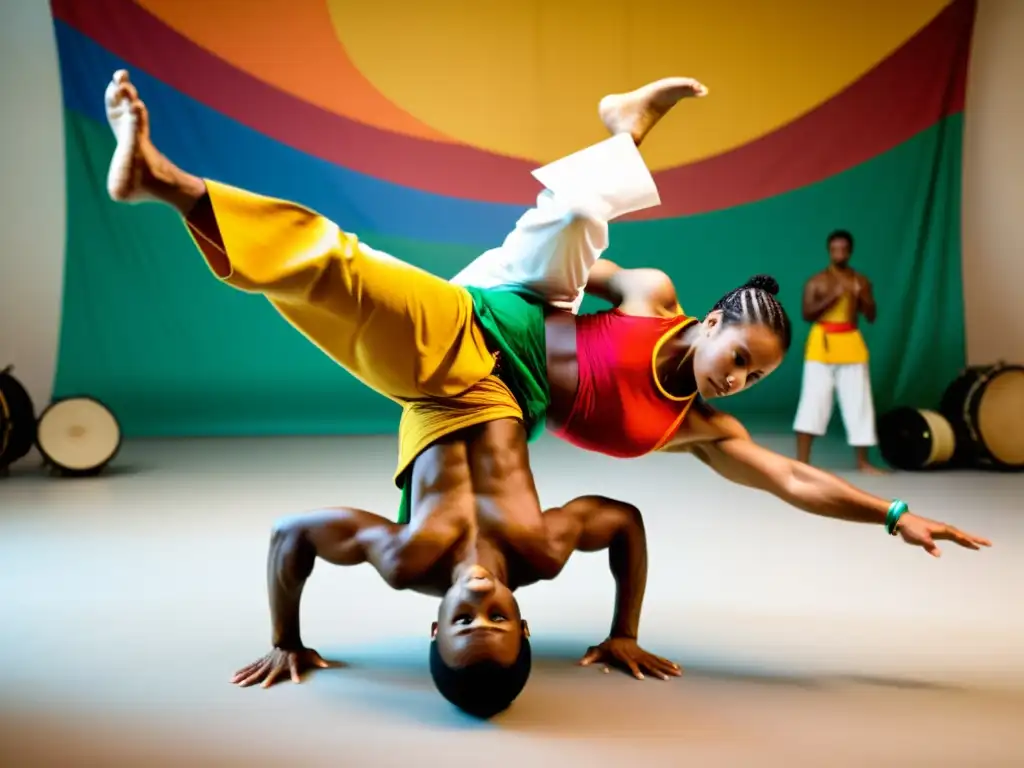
174 352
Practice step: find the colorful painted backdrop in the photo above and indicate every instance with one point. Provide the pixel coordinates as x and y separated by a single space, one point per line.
416 125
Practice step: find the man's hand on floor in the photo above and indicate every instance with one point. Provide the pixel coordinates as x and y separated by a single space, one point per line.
625 654
278 664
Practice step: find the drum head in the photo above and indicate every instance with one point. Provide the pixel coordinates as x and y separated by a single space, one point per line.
17 420
1000 416
943 437
78 435
910 439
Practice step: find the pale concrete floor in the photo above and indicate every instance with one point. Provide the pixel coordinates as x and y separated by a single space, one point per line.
129 600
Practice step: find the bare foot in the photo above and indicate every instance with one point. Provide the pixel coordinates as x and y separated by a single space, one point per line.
871 469
130 176
638 111
138 171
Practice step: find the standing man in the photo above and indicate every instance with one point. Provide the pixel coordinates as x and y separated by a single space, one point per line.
836 357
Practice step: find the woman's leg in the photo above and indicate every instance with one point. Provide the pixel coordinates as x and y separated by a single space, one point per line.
555 244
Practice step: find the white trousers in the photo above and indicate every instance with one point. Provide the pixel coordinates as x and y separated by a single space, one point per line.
821 384
554 245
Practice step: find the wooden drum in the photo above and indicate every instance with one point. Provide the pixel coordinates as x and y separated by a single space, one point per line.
17 420
985 405
78 436
916 439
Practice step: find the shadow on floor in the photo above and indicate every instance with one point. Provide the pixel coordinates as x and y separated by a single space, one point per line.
36 741
29 471
561 696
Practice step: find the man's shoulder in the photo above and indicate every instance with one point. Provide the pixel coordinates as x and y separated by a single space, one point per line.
818 277
860 277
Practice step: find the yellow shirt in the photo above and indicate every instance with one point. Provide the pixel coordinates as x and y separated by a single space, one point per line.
844 348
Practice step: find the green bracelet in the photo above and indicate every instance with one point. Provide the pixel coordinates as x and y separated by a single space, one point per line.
896 510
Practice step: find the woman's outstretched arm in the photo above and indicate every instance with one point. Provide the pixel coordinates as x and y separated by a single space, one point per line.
725 445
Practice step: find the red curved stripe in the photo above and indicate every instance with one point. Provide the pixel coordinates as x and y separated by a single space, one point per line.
259 37
913 88
921 82
141 39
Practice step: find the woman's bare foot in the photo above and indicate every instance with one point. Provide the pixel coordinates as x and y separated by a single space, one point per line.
638 111
138 172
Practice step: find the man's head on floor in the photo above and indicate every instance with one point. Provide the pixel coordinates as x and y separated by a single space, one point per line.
480 648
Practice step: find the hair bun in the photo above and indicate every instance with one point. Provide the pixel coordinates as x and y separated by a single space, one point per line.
764 283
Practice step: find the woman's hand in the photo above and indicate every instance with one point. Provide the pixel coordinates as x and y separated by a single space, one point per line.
922 532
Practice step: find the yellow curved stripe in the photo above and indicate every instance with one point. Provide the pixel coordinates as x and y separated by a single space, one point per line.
523 77
291 45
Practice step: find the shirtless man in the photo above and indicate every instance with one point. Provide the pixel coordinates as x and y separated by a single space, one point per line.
836 357
477 534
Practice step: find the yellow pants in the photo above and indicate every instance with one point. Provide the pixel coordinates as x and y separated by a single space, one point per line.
407 334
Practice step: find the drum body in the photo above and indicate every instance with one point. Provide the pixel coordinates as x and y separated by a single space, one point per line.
78 436
914 439
985 405
17 420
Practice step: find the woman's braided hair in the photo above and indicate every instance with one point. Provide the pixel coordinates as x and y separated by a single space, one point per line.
754 303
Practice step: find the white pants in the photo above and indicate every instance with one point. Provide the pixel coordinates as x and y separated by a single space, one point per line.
852 383
554 245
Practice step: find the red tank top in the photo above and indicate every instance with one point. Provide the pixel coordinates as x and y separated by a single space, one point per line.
621 409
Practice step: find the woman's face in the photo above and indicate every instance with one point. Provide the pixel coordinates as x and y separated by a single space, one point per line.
730 358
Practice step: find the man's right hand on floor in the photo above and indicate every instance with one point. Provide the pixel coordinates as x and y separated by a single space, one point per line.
277 664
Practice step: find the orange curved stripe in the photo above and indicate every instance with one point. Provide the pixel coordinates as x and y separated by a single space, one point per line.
910 91
275 40
523 79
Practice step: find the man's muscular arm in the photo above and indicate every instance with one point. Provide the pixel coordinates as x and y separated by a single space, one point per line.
593 523
340 537
819 295
866 299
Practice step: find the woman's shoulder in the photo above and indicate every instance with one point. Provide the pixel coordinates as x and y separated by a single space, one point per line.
703 424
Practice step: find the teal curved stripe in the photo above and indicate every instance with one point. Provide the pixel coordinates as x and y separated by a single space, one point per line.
174 352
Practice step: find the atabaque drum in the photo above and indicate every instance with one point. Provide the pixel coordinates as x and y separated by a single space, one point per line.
916 439
78 436
17 420
985 405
